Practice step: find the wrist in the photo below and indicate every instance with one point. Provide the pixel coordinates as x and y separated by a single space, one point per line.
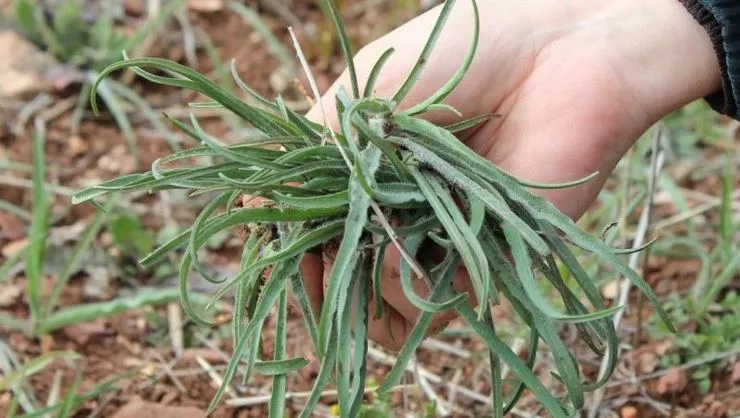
667 55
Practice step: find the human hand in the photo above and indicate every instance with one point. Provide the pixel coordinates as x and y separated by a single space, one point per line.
576 83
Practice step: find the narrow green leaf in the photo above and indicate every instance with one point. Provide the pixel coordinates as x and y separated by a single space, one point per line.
372 79
332 200
91 311
413 76
419 332
470 123
34 366
331 11
346 254
37 234
270 294
455 79
280 367
357 391
87 238
524 271
277 398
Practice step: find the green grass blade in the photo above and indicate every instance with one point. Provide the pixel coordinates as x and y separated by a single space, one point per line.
550 402
91 311
324 376
112 101
346 255
344 343
470 123
35 366
494 202
412 244
39 225
375 72
248 90
275 46
87 238
197 226
301 297
277 398
195 81
357 391
464 238
497 385
524 271
418 333
249 255
413 76
378 257
455 79
67 405
330 9
271 292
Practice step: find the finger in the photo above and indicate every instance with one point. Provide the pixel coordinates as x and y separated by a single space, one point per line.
312 268
390 330
394 295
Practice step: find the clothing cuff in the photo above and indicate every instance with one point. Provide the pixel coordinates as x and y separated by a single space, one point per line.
713 16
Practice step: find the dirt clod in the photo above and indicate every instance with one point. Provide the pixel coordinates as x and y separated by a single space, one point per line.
140 409
675 381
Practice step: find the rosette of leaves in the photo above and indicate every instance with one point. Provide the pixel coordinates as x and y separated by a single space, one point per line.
339 189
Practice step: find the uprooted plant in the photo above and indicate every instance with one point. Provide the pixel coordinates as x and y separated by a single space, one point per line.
323 188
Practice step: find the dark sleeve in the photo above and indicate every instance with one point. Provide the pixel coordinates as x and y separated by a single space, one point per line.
721 19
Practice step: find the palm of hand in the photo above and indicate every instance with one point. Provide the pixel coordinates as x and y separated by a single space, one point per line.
560 120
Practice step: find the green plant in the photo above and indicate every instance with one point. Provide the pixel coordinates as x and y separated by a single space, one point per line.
90 47
337 191
16 374
66 33
45 316
705 339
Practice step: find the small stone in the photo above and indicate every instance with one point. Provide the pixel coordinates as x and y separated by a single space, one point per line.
9 294
207 6
77 146
12 248
47 343
628 412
